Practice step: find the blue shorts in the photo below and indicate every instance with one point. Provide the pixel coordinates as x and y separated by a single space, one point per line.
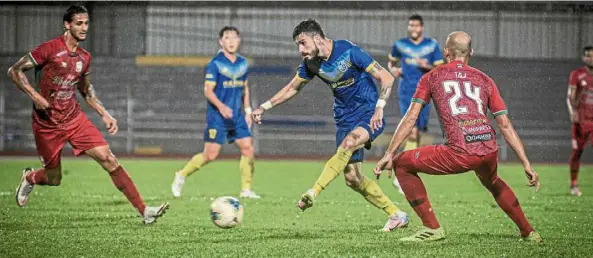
342 132
218 133
422 122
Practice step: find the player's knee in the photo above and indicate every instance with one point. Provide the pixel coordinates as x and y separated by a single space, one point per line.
54 179
353 182
108 161
210 156
349 143
247 151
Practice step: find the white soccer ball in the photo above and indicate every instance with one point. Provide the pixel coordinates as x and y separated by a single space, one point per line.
226 212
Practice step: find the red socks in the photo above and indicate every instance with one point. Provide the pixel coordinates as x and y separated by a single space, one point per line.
124 183
37 177
507 201
416 194
574 165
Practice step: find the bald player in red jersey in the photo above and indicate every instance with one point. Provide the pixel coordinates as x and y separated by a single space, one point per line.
462 96
61 66
580 106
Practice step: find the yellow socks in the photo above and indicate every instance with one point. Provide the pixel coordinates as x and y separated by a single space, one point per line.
193 165
246 165
334 166
371 191
410 145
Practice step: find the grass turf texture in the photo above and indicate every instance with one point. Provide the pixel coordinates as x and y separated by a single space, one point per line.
86 215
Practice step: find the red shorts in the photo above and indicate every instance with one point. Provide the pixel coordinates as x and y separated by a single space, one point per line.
580 134
80 133
442 160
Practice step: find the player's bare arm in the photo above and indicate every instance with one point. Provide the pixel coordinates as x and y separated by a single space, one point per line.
571 101
289 91
247 104
87 91
404 128
512 138
386 81
225 111
18 77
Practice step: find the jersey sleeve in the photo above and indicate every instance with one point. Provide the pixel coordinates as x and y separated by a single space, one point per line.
495 102
573 81
211 74
395 55
303 73
422 94
41 54
437 55
361 59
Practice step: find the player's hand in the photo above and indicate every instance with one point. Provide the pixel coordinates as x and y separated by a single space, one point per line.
110 123
423 63
533 178
40 102
396 72
226 112
377 119
249 121
574 117
257 115
386 163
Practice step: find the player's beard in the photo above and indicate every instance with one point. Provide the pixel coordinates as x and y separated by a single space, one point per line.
75 36
414 35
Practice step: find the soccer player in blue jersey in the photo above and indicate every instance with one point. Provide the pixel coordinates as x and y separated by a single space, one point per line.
228 96
358 111
418 55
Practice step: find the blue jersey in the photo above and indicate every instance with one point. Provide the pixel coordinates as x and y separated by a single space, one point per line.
229 80
346 73
409 53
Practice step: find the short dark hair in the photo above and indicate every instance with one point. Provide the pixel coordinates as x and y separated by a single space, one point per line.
73 10
587 49
227 28
416 17
309 26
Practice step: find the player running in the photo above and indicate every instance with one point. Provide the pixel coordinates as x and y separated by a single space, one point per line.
462 96
61 65
418 55
358 111
580 107
227 92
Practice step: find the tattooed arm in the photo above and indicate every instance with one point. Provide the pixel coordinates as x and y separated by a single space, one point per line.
18 77
386 81
87 91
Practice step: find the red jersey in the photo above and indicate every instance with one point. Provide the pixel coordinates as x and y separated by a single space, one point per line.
57 72
462 95
582 80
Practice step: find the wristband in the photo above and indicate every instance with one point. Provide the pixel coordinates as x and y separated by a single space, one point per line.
248 111
381 103
267 105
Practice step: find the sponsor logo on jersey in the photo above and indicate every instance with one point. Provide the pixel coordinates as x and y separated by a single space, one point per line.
233 83
78 66
471 138
340 84
471 122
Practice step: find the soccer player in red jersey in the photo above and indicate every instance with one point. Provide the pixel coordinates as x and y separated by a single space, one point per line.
580 106
61 65
461 95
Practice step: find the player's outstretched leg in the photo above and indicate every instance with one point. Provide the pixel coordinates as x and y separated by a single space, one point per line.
371 191
417 196
506 199
247 167
124 183
211 151
335 165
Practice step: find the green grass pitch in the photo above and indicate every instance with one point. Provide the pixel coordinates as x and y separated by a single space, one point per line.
87 217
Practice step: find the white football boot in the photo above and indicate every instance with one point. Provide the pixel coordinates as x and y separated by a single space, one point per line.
177 185
249 194
399 220
152 213
24 189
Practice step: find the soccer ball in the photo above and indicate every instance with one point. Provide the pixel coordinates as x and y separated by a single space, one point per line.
226 212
